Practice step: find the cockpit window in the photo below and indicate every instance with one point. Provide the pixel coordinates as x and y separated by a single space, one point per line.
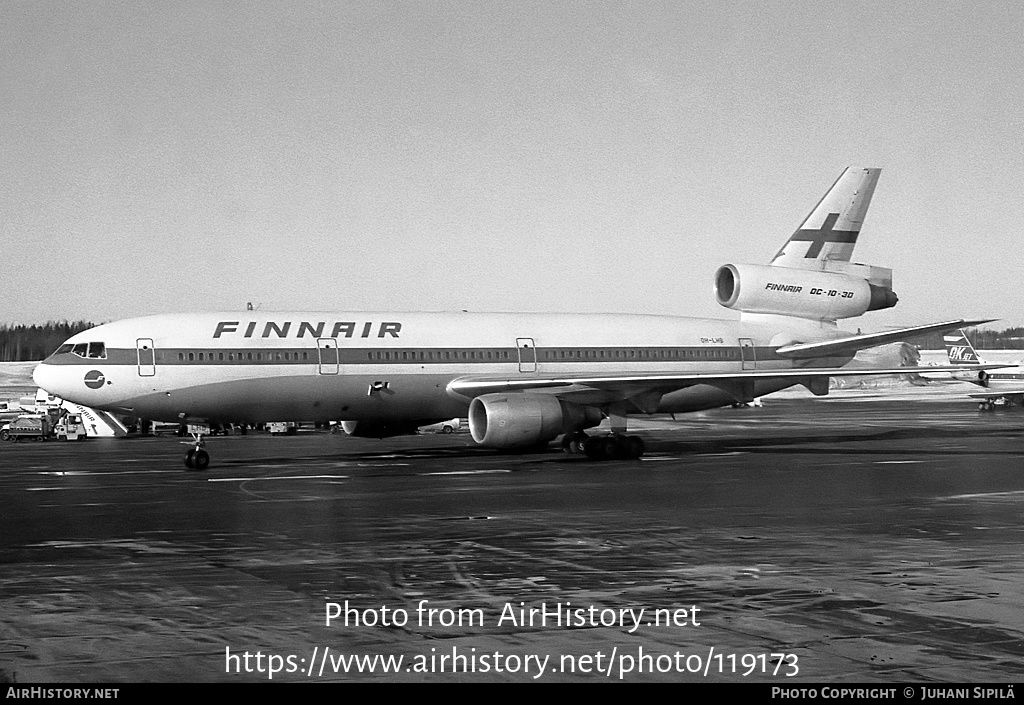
65 348
93 351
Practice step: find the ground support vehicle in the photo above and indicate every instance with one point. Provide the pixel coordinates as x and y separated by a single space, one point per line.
71 427
36 427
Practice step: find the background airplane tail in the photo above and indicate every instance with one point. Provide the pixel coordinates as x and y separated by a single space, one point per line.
959 349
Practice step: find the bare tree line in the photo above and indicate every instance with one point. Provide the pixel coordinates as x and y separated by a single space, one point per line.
23 343
1006 339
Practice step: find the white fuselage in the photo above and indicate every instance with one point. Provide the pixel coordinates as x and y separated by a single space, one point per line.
386 367
999 379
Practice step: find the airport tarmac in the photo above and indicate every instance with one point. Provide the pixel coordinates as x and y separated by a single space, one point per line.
866 537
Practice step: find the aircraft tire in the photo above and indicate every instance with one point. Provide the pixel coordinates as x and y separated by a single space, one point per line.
573 443
634 447
201 460
593 448
611 448
576 446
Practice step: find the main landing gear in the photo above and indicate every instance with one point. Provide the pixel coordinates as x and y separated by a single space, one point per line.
612 447
196 458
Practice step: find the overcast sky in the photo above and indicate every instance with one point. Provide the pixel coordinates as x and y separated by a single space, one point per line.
504 156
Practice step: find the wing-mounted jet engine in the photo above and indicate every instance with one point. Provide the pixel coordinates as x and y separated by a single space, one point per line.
522 420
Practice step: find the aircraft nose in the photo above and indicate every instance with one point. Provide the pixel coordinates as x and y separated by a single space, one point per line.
46 377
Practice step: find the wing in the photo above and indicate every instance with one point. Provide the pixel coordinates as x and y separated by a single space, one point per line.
996 395
646 390
853 343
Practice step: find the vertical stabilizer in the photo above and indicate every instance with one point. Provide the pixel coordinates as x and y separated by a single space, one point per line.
959 349
830 232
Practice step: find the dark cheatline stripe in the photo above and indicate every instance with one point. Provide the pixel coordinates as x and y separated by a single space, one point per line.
419 356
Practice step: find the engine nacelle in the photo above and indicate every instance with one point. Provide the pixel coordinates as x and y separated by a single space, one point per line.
803 293
520 420
378 429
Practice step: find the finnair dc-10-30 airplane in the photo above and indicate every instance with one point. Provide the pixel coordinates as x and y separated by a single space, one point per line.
522 379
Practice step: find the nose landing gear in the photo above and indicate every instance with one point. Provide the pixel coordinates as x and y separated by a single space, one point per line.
196 458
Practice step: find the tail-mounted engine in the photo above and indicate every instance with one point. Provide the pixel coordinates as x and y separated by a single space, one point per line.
816 294
520 420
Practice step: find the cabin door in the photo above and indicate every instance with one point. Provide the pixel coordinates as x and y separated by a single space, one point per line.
527 354
327 348
146 356
749 354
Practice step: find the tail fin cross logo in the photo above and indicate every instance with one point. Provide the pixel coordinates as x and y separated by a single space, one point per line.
830 230
822 235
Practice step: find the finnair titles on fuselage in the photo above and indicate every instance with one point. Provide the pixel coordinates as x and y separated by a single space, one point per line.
339 329
522 379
